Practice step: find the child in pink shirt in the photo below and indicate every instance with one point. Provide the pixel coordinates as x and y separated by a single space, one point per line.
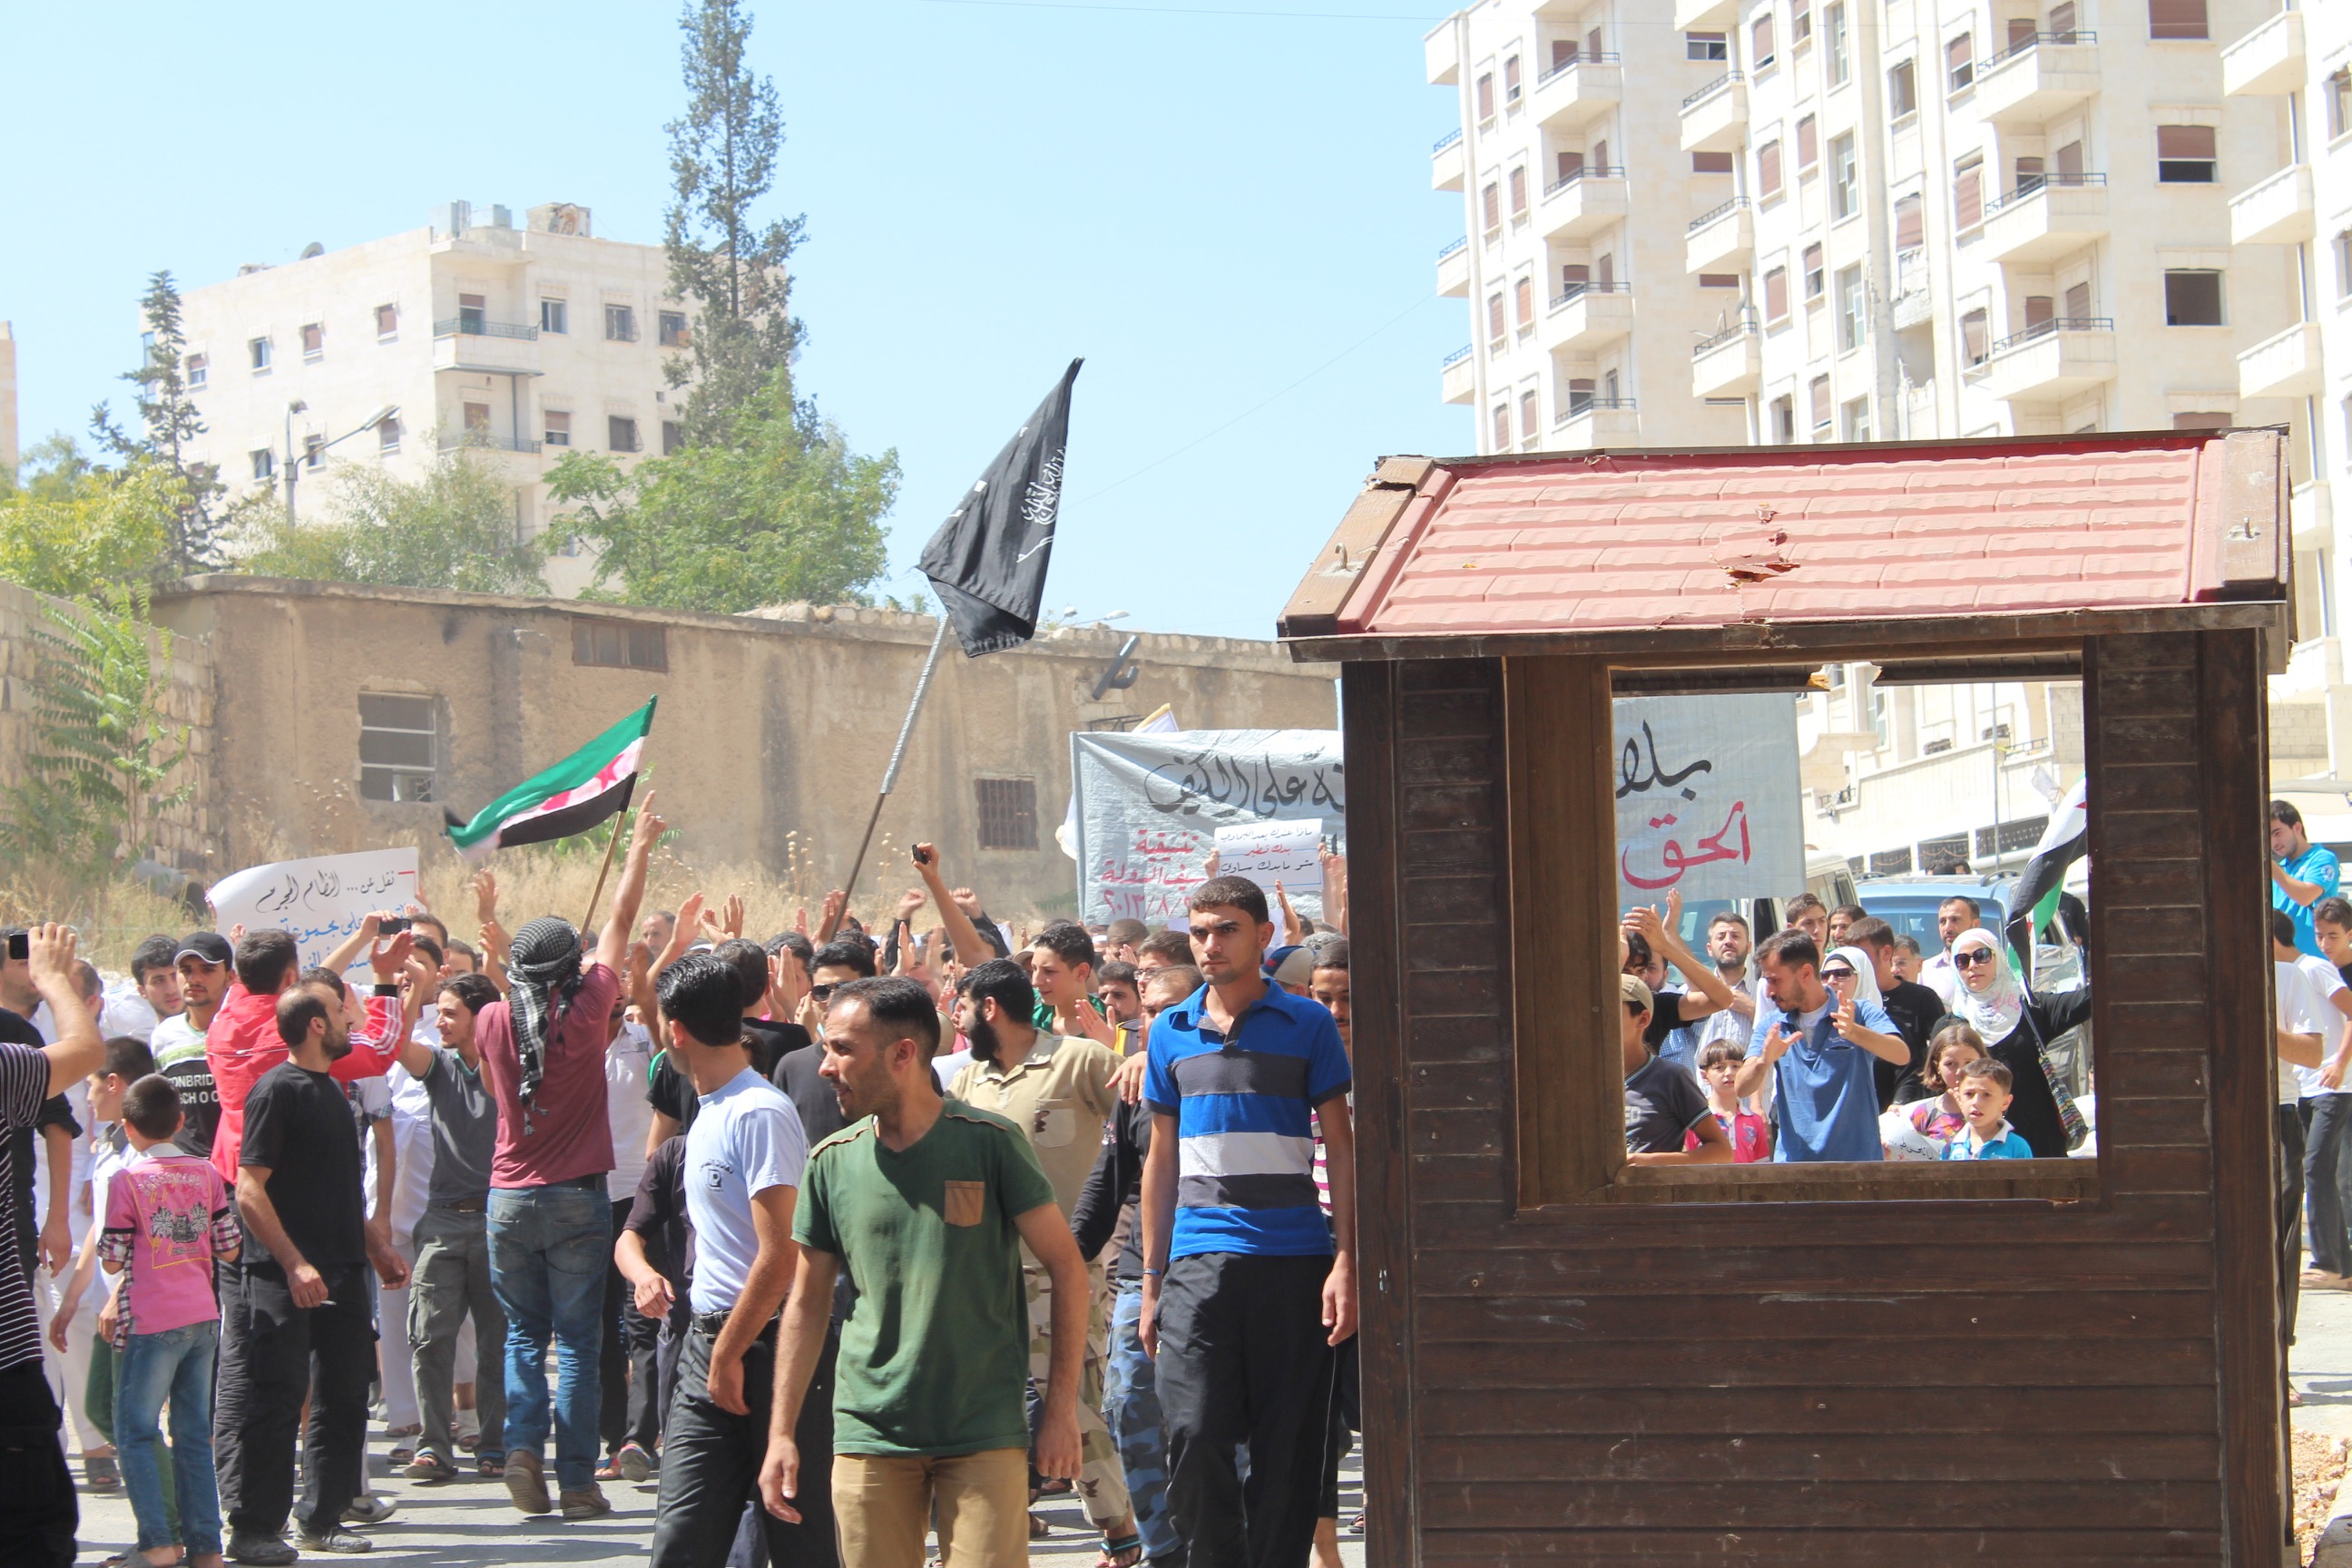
169 1220
1751 1137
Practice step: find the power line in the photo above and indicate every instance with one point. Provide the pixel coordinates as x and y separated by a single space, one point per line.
1190 11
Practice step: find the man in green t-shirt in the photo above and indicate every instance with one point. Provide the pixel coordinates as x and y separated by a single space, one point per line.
927 1203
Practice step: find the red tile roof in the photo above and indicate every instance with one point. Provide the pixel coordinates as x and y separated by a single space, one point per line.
1625 541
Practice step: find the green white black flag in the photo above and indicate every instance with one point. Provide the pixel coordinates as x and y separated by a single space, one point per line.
572 797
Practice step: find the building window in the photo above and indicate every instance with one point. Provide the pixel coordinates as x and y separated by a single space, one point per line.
1486 98
1768 170
1008 812
1821 401
673 437
387 321
672 327
195 368
387 436
2177 19
618 645
1759 42
2185 155
555 317
314 339
1502 427
1967 196
1495 321
1523 294
1902 91
1910 223
558 427
1808 143
1856 420
256 354
2192 297
1718 280
1784 421
2337 91
1511 80
1834 62
477 419
1853 324
473 314
620 323
399 740
1713 47
620 433
1710 162
1800 22
1976 338
314 450
2343 291
1776 294
1490 203
1531 425
1960 63
1845 194
1816 277
1519 192
265 464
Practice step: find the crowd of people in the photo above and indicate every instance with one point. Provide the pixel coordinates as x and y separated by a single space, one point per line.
846 1239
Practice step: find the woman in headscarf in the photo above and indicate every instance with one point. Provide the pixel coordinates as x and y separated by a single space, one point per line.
2018 1029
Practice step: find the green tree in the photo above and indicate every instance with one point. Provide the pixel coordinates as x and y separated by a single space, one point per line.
722 159
453 528
74 530
778 509
170 423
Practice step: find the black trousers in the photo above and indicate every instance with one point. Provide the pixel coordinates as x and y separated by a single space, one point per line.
631 1393
272 1355
1243 1361
38 1513
2290 1223
710 1463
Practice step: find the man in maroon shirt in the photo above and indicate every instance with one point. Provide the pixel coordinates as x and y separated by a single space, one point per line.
550 1225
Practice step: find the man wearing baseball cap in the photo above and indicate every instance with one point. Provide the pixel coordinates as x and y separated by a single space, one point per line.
1663 1105
202 960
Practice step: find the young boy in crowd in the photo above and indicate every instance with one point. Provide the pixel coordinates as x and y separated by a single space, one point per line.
168 1220
1662 1104
128 1059
1751 1140
1984 1095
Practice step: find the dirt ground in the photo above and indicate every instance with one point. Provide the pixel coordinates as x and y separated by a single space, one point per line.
2319 1465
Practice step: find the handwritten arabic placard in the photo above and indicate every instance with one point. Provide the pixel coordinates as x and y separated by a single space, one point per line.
1708 801
1149 807
320 899
1290 853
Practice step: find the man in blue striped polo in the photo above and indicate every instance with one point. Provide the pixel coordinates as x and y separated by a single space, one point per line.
1246 1286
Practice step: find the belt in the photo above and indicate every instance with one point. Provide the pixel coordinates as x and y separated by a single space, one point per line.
465 1205
709 1324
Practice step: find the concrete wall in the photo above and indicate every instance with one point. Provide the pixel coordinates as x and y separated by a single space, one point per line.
769 725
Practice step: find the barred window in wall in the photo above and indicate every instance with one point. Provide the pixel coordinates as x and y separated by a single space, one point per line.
399 746
618 645
1008 812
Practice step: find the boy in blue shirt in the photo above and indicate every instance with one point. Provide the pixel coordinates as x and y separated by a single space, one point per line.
1983 1092
2301 873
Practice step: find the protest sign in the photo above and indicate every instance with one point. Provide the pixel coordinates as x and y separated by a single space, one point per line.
1149 807
1286 852
321 900
1708 798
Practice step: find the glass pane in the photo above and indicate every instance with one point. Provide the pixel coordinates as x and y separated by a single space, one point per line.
397 746
384 710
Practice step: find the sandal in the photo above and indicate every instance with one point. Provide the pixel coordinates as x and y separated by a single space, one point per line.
491 1470
1036 1527
100 1473
1123 1553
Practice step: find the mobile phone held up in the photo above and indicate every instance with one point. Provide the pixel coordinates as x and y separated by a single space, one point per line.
922 855
20 946
392 925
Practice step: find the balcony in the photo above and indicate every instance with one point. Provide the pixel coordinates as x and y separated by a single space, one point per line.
1457 378
2278 211
2307 509
1731 361
1446 163
1453 270
1588 422
1586 202
1587 316
1705 15
1577 90
1913 305
1715 118
1726 234
2039 77
1441 55
2267 61
470 341
2063 357
2052 216
2288 365
483 441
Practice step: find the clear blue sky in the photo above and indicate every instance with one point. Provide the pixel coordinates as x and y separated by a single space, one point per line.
1207 207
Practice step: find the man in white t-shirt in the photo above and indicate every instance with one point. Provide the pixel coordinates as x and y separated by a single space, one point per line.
743 1160
2300 1044
2325 1111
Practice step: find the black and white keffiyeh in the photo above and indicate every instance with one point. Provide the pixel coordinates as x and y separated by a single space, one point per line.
543 970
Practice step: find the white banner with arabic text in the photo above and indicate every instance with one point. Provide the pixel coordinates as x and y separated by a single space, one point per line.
1708 798
320 899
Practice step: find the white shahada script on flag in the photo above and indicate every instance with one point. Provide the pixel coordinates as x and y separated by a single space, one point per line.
320 901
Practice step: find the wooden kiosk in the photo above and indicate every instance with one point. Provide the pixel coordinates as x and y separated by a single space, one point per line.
2065 1362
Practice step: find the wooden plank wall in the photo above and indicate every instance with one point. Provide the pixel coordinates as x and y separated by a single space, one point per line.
1958 1381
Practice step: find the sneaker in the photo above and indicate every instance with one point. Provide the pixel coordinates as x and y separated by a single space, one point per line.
527 1482
429 1466
589 1502
342 1542
368 1509
636 1464
265 1551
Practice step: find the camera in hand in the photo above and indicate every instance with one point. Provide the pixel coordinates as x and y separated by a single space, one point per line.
20 945
392 925
922 855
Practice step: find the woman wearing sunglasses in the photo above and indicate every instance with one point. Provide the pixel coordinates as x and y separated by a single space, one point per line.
2018 1029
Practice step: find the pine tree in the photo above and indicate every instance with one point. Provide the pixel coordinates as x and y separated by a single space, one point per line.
723 158
172 422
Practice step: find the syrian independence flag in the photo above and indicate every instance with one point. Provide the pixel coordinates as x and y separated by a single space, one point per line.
988 560
2035 899
575 795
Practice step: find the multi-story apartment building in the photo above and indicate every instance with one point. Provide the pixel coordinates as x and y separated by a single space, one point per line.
519 343
1710 222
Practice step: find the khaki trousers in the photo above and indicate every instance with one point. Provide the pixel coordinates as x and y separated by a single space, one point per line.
882 1506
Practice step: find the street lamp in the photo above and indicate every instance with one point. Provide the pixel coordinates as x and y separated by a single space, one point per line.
294 461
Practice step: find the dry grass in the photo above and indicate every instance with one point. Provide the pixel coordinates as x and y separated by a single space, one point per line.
112 919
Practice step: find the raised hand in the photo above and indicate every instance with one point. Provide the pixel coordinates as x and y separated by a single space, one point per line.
908 902
485 884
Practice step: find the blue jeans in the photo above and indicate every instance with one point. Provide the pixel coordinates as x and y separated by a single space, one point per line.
176 1364
548 1251
1131 1409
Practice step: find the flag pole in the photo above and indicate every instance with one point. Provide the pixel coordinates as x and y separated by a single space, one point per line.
897 755
598 892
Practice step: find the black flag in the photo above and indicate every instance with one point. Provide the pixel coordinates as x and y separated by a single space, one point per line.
988 560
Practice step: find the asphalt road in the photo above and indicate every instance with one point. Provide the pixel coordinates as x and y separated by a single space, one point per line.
2321 1362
